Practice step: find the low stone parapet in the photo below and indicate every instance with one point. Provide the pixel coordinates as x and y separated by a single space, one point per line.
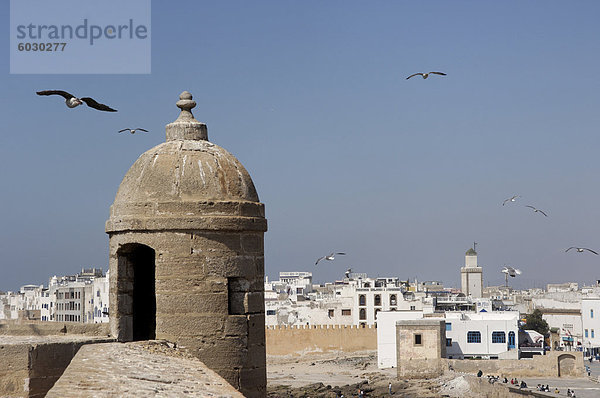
30 365
44 328
553 364
140 369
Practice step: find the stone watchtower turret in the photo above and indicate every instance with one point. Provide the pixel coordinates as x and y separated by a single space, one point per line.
187 255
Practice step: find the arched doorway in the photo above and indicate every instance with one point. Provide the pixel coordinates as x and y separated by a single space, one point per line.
566 365
136 285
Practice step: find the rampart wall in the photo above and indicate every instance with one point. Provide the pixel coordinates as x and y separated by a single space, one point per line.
553 364
310 339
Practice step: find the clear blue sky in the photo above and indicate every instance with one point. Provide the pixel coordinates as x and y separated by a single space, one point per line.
345 153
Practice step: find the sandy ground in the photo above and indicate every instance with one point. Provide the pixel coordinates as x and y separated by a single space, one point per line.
333 374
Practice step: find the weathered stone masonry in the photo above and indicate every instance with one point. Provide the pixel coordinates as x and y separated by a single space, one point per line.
186 254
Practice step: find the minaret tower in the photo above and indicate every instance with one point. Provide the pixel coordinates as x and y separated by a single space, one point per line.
471 275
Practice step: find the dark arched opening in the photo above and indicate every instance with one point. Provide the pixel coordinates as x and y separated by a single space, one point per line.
137 280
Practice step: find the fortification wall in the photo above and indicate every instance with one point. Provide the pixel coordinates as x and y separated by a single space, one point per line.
44 328
30 365
307 339
483 388
553 364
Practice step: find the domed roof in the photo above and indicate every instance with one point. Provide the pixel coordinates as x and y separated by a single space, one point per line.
186 171
471 252
185 180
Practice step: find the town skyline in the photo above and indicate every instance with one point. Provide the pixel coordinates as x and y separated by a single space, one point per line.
345 153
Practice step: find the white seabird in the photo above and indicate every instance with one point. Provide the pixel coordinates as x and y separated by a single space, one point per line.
330 257
510 271
511 199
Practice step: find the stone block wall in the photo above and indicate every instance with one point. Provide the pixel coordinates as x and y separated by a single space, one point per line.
288 340
420 348
553 364
209 298
44 328
30 365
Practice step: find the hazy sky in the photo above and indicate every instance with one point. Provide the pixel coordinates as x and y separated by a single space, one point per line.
345 153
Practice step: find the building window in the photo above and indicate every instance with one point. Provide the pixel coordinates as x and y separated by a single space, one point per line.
591 313
412 307
592 333
586 333
473 337
363 325
448 342
377 300
418 339
448 327
269 312
362 300
362 314
330 313
346 312
376 311
393 299
498 337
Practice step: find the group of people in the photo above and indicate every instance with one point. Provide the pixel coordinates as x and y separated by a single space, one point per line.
570 393
492 379
515 382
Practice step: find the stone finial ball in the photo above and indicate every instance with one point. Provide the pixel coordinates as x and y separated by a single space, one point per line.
185 102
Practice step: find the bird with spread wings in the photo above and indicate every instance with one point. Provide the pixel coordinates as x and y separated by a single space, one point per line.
426 75
330 257
581 250
72 101
132 131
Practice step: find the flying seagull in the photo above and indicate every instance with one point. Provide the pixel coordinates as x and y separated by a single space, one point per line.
581 249
73 101
511 199
330 257
426 75
510 271
132 131
537 210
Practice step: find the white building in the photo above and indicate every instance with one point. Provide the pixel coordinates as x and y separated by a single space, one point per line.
31 302
74 298
82 297
355 300
483 334
590 320
468 335
99 302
